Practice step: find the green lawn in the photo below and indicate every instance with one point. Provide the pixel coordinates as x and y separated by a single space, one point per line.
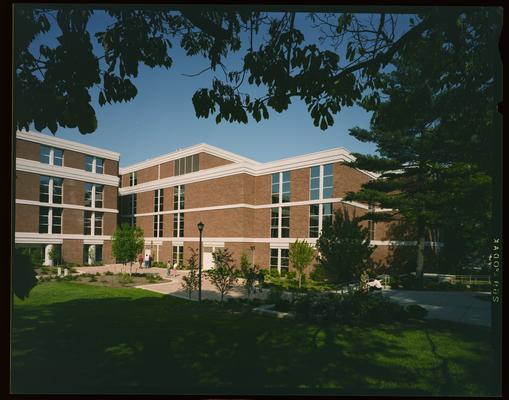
74 338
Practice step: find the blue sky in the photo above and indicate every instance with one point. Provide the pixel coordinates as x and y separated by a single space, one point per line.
161 118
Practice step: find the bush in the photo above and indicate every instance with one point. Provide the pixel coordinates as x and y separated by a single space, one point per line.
352 308
417 312
274 273
153 278
108 273
159 264
125 279
394 282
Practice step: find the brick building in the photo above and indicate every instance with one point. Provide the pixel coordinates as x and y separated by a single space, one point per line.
66 198
249 207
72 196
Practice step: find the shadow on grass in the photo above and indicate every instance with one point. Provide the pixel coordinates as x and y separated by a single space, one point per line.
169 345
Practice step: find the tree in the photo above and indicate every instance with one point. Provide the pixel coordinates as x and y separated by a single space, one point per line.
127 243
249 273
190 281
223 276
23 275
421 161
343 248
53 84
301 254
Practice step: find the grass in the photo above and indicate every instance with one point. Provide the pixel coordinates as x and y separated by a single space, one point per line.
75 338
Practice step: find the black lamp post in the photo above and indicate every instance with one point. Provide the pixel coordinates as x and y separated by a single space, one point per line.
200 228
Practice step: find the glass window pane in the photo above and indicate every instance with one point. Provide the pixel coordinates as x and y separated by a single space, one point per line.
99 165
314 194
58 157
176 167
88 194
327 169
182 167
189 164
98 228
87 223
327 193
286 176
181 227
98 252
57 220
327 181
315 172
44 189
88 163
43 219
44 154
275 178
182 196
196 165
98 196
273 232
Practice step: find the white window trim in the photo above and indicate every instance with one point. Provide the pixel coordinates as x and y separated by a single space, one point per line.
94 164
51 160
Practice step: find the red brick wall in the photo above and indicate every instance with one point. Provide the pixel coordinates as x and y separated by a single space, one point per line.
27 186
209 161
27 218
73 192
27 150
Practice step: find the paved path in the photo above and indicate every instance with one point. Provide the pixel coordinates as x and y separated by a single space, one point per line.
208 291
467 307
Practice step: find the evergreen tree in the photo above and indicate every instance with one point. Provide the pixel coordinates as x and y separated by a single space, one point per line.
344 248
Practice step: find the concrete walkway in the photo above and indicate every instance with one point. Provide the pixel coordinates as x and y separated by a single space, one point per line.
208 291
466 307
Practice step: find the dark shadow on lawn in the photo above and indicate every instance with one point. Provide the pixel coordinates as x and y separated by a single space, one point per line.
169 345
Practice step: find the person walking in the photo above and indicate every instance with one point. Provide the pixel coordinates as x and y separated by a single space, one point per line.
147 257
140 259
150 261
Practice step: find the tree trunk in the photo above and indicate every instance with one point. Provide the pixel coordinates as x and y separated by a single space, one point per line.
130 268
419 270
300 279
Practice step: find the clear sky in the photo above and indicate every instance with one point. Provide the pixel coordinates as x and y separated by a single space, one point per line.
161 118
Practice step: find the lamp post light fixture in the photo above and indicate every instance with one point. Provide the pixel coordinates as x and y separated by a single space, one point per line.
200 228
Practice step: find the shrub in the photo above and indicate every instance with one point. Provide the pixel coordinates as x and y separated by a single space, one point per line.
125 279
408 282
93 279
153 278
318 274
159 264
108 273
274 273
352 308
416 311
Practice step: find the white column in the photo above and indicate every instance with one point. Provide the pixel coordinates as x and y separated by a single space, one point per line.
47 260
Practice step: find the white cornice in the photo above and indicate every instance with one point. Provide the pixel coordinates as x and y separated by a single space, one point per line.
72 206
323 157
67 144
334 200
34 237
198 148
36 167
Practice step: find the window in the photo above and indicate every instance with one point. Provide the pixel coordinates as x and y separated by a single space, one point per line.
98 226
94 164
87 223
158 226
93 195
133 179
274 259
281 187
279 260
128 209
319 216
50 190
284 261
50 220
314 183
98 196
158 207
92 222
158 200
178 205
321 182
51 156
98 252
44 220
280 222
274 223
44 189
185 165
178 255
314 220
